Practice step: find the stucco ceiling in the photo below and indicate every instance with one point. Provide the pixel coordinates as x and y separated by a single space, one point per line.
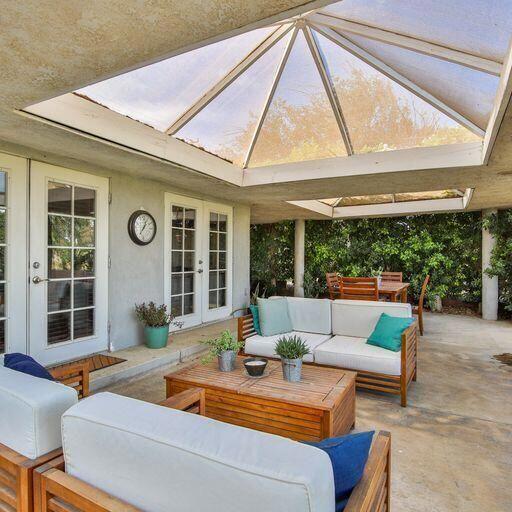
49 48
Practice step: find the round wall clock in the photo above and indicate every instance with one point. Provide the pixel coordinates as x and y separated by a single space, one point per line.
142 227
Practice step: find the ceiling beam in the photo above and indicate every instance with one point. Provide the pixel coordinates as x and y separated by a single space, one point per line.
270 96
229 78
409 43
388 71
329 89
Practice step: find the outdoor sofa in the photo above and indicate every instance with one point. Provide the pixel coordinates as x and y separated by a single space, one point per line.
336 332
30 413
161 459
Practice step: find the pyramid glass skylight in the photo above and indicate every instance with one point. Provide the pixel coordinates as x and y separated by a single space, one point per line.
358 76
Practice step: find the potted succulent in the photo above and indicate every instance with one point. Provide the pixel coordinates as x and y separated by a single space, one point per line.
156 321
291 350
225 347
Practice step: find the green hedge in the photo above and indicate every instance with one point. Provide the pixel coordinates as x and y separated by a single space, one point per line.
446 246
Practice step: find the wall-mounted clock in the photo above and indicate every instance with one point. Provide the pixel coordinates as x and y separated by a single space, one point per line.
142 227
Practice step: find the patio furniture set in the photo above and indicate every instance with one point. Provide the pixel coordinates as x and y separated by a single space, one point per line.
112 453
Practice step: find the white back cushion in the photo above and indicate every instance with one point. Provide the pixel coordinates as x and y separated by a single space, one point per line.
310 315
359 317
159 459
30 412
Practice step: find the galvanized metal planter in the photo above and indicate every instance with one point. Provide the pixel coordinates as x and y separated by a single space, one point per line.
227 360
292 369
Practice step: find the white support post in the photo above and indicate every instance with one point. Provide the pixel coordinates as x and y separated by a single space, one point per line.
489 284
298 280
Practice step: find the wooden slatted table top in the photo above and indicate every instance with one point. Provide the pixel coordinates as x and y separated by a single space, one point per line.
392 286
321 388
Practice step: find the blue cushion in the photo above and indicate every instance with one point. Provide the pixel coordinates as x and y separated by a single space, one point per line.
26 364
274 316
255 318
388 332
348 456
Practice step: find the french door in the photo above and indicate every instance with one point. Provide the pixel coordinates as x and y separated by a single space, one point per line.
198 284
68 274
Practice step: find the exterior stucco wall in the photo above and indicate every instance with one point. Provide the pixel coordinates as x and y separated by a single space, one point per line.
137 272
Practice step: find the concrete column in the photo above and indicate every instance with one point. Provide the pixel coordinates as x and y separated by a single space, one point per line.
489 284
298 278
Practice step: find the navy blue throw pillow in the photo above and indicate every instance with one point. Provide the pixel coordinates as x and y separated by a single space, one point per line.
26 364
348 456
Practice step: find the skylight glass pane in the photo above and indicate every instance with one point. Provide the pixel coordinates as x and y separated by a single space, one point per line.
362 200
300 123
225 127
468 91
159 93
424 196
380 114
481 27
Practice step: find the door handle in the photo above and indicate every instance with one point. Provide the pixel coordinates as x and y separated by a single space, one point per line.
37 280
200 271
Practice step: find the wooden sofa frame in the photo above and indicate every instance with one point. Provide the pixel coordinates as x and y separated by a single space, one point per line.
16 470
395 385
56 491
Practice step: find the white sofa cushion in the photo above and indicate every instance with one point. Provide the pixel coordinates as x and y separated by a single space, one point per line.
264 346
355 354
310 315
30 412
160 459
358 318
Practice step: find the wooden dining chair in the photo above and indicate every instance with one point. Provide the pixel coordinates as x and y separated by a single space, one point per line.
333 285
418 310
359 288
396 277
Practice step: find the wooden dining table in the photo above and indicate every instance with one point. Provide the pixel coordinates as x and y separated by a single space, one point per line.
396 291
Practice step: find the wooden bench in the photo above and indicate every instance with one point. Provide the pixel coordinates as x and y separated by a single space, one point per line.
16 470
395 385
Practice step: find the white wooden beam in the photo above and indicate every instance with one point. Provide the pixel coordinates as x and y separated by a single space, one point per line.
409 43
270 96
314 206
229 78
501 102
388 71
436 157
329 89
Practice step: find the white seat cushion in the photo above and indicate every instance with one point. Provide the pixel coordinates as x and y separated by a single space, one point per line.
310 315
355 354
160 459
264 345
30 412
358 318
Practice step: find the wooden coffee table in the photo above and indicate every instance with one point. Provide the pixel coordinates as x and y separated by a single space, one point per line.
321 405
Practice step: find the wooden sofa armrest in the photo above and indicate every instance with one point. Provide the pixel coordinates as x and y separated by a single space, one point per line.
191 400
62 492
372 492
245 327
409 351
75 375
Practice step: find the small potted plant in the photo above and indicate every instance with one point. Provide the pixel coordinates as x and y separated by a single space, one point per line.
225 347
156 321
291 350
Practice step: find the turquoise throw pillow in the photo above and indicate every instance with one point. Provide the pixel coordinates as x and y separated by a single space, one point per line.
388 332
274 317
255 318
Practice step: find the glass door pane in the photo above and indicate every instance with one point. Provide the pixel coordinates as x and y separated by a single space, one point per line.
71 248
183 257
217 254
3 260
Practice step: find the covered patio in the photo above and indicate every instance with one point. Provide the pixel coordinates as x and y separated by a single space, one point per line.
142 144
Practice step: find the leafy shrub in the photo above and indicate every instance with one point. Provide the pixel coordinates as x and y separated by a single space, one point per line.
226 341
291 347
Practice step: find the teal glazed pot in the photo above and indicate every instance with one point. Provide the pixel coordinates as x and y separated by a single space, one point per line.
156 337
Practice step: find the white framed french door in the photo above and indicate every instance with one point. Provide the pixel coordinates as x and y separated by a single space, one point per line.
13 253
198 259
68 263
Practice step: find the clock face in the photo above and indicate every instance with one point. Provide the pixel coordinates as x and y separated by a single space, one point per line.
142 227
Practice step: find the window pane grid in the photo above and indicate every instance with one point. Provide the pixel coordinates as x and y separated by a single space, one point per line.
71 286
217 284
3 261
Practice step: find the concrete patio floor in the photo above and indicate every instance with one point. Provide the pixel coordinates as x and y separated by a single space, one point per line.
452 446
